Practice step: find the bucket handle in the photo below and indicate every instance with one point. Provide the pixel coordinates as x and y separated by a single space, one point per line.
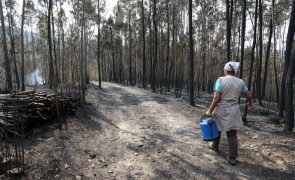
204 117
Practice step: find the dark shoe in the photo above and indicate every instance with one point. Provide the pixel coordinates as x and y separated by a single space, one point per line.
213 148
232 161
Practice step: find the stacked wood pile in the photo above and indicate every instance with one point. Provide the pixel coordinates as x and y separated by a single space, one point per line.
21 111
34 108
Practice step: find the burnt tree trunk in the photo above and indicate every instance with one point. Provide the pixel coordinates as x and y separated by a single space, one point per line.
98 47
151 49
34 60
143 45
259 67
130 43
168 48
22 48
274 55
56 67
51 70
229 12
289 94
290 72
252 58
155 45
82 70
266 60
191 54
113 57
13 53
243 37
289 43
172 48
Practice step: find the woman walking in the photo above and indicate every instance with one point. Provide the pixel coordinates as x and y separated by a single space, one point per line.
226 110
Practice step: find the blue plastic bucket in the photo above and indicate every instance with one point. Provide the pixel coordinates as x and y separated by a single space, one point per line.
208 128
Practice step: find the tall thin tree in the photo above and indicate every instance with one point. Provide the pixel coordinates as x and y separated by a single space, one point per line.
130 43
55 60
168 47
274 53
51 69
228 29
191 53
259 70
13 52
34 59
289 43
143 44
82 59
243 37
6 57
290 73
290 94
155 45
252 57
98 45
22 46
267 59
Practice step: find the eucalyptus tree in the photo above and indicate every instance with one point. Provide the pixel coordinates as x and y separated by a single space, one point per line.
55 56
62 53
267 55
30 15
82 54
289 64
252 56
168 15
202 23
22 46
129 16
130 41
98 44
100 5
288 51
229 15
5 49
130 10
259 65
42 49
121 29
143 44
11 22
153 83
289 126
175 22
110 24
90 21
243 37
274 52
179 13
191 59
49 40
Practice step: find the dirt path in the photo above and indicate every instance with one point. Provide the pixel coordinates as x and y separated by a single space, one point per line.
131 133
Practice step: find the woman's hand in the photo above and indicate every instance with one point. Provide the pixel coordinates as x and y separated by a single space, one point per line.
208 113
249 105
248 96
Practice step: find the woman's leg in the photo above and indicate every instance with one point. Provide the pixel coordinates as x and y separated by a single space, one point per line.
215 143
233 143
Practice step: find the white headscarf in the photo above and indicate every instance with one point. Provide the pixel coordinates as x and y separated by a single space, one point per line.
232 66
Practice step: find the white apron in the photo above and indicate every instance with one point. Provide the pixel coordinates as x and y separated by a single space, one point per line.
227 113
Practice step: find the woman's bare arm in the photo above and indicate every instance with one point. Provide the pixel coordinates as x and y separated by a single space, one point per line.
215 101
